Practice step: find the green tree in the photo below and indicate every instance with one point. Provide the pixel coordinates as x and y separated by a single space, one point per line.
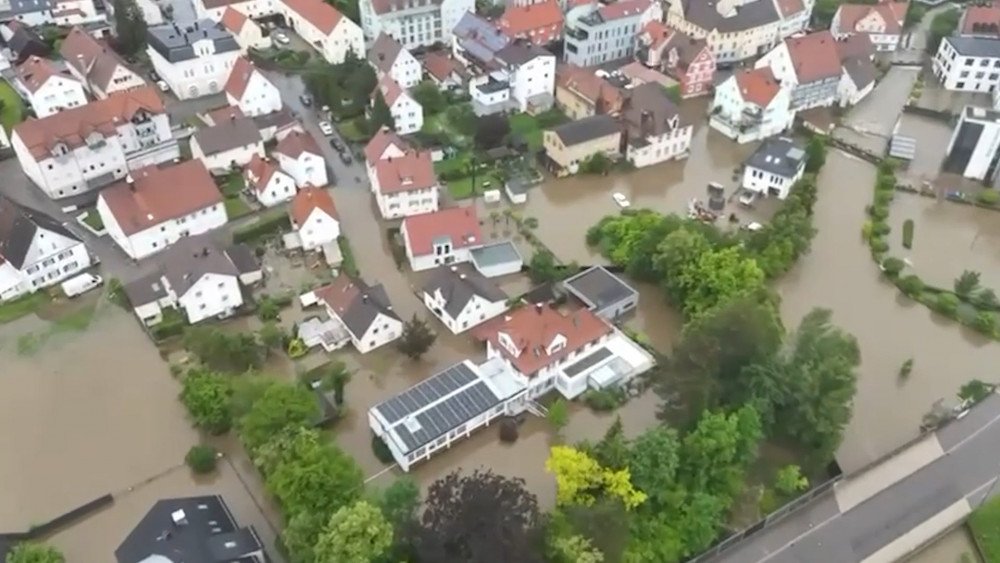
430 98
892 266
462 119
349 8
975 390
380 115
815 154
399 501
206 395
675 255
985 322
336 377
946 303
300 536
558 414
714 455
574 549
491 130
597 163
281 406
272 336
315 477
943 25
221 351
130 26
631 240
967 283
914 14
358 533
790 480
417 338
653 461
612 451
985 299
543 267
718 276
910 285
201 459
35 553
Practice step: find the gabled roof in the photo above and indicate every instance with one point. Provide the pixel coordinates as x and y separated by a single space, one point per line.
224 113
309 199
356 303
382 140
861 70
649 112
586 129
687 48
459 285
597 91
892 13
320 14
855 45
412 171
93 59
187 260
258 172
296 143
757 86
18 225
384 52
233 20
778 155
457 226
176 44
814 56
227 135
24 40
160 194
479 37
440 65
36 71
981 20
389 88
623 9
534 328
239 77
520 19
714 14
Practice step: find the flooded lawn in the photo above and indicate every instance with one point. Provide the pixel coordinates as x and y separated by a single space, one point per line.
932 138
954 547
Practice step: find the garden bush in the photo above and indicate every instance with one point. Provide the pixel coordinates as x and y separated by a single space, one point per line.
508 431
879 212
201 459
946 304
266 225
880 228
604 399
879 245
985 322
381 450
989 197
908 233
910 285
892 266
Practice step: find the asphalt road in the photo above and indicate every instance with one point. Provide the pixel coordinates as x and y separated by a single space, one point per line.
969 469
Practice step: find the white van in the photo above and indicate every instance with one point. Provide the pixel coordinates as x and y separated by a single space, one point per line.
78 285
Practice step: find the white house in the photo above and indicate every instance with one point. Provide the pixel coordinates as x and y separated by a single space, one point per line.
63 13
194 276
810 66
774 167
443 70
159 206
46 88
96 65
974 148
268 183
407 114
248 33
597 34
881 22
389 58
968 64
87 147
751 105
36 251
324 28
300 156
405 185
194 59
414 24
385 143
227 145
857 81
365 311
251 91
151 12
314 218
441 237
462 298
214 9
654 131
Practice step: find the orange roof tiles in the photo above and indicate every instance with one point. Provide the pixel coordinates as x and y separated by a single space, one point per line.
382 140
233 19
322 15
814 56
239 77
296 143
758 86
584 83
308 199
412 171
390 89
257 173
534 329
892 13
520 19
458 225
981 20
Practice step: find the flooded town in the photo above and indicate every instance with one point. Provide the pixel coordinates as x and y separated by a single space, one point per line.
306 283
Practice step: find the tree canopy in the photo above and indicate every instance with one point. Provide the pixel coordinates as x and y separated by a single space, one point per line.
130 27
580 479
417 338
357 533
223 351
35 553
280 407
345 87
206 395
380 115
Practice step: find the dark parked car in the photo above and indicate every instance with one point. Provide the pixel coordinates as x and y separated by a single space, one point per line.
346 157
306 100
153 76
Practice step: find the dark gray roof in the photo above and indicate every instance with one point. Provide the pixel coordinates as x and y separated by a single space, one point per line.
228 135
459 285
210 534
599 288
861 70
25 42
190 258
975 46
145 290
704 14
18 225
25 7
176 42
649 111
242 256
496 253
779 156
362 312
278 118
384 52
586 129
518 53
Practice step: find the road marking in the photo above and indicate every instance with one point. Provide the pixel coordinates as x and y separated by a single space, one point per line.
800 536
974 434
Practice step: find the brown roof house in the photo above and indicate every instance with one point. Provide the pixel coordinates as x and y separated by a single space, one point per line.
299 155
155 207
653 129
881 22
751 105
97 65
581 93
268 183
314 218
389 58
810 66
364 310
570 145
48 87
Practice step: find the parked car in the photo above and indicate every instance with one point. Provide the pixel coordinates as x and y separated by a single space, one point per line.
621 200
345 157
337 145
306 100
78 285
281 38
326 128
162 85
153 76
747 198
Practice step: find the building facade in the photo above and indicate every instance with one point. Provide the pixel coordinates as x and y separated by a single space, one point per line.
46 88
389 58
314 217
407 114
248 89
751 105
324 28
882 22
299 155
568 146
653 128
974 148
596 34
774 167
440 238
413 23
194 60
968 64
810 65
95 64
462 298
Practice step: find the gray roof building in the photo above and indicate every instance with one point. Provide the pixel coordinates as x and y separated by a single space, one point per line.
586 129
228 135
458 286
861 70
988 47
18 227
602 292
779 156
520 52
384 52
356 303
705 14
175 43
181 266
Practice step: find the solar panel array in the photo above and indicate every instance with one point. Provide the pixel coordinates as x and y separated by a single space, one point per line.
587 362
426 392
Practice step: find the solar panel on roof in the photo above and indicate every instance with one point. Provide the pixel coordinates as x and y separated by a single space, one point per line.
426 392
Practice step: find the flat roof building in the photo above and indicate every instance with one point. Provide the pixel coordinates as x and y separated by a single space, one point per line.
602 292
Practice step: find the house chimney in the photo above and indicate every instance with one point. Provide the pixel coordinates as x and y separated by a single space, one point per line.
538 308
204 251
646 123
179 518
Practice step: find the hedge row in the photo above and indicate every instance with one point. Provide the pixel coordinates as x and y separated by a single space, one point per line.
265 225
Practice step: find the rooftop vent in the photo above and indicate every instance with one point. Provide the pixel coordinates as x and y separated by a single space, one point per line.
179 518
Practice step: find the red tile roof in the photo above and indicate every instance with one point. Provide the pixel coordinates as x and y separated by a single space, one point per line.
534 328
322 15
412 171
257 173
72 126
36 71
458 225
600 93
382 140
520 19
814 56
390 89
981 20
296 143
233 20
93 59
623 8
225 113
656 33
758 86
161 194
239 77
789 8
854 46
892 13
440 65
308 199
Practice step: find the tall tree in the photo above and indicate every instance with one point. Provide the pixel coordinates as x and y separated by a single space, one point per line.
653 460
815 154
35 553
491 131
718 276
543 267
581 480
221 351
399 501
478 518
380 114
282 406
318 479
358 533
966 283
130 26
430 98
336 377
206 395
300 536
417 338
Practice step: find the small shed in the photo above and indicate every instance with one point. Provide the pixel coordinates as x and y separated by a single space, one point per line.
242 256
497 259
602 292
517 190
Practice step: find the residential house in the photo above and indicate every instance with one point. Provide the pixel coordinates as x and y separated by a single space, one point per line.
227 145
195 276
156 207
407 114
47 88
581 93
653 129
443 70
810 66
214 9
63 13
324 28
602 292
461 298
688 60
974 148
300 156
36 251
414 24
278 124
737 30
858 79
751 105
385 143
538 23
522 78
405 185
968 64
476 39
95 64
440 237
248 89
269 184
87 147
200 529
389 58
570 144
247 33
636 74
364 310
980 20
314 218
774 167
23 42
194 60
881 22
600 33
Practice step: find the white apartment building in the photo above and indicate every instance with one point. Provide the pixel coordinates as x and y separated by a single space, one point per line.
194 59
248 89
248 33
156 207
364 310
654 132
774 167
751 105
314 218
405 185
268 183
227 145
64 13
214 9
324 28
389 58
96 65
151 12
91 146
596 33
515 77
442 237
299 155
47 88
414 23
462 298
36 251
407 114
968 64
974 148
881 22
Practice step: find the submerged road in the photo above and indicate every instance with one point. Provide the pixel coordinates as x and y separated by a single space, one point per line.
862 521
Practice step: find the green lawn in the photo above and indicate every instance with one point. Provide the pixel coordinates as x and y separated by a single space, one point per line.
93 220
457 163
985 526
236 207
13 310
530 127
352 131
13 107
462 188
